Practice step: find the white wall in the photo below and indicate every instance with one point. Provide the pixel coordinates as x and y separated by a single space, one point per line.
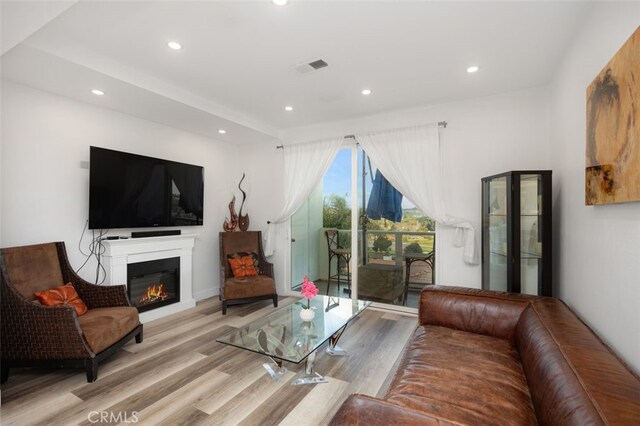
45 193
598 263
263 165
485 136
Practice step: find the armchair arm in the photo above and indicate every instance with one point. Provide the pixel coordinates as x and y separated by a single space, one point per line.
267 268
36 332
367 411
94 296
491 313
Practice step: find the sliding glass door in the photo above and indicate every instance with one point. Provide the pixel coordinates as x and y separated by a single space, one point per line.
397 241
383 250
327 209
305 239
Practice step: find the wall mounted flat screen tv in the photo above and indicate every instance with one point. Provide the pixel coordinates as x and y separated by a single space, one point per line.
134 191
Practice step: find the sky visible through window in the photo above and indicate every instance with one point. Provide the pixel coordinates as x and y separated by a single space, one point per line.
337 180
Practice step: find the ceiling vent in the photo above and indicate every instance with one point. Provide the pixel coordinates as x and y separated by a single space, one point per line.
307 67
316 65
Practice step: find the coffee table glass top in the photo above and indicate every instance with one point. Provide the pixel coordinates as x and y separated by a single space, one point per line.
284 335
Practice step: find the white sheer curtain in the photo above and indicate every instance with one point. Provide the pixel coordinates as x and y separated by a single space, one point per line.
410 159
304 165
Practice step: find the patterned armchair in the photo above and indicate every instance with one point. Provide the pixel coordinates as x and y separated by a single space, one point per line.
246 289
55 336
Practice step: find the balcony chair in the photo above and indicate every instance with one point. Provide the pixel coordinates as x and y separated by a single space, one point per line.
337 252
35 335
245 289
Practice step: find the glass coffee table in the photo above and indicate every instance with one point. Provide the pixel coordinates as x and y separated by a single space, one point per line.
284 336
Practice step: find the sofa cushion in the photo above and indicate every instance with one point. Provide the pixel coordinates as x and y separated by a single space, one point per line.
242 267
254 256
33 268
64 295
463 377
365 410
102 327
573 377
241 288
474 310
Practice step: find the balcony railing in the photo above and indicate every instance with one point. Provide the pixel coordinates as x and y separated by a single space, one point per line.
401 242
390 247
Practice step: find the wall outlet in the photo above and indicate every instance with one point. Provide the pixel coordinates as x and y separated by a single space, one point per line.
84 165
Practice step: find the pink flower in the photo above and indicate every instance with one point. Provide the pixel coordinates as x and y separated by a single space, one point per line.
309 289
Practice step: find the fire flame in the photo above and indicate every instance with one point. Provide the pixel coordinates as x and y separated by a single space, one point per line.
155 293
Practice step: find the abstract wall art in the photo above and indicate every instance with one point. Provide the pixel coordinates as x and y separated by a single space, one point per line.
612 173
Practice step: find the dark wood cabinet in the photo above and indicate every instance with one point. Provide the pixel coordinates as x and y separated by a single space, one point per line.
516 232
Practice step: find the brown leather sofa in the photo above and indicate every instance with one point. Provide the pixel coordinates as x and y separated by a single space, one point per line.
480 357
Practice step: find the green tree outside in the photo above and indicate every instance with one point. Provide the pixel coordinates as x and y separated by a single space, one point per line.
337 214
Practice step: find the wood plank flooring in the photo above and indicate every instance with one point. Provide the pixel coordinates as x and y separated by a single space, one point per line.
181 375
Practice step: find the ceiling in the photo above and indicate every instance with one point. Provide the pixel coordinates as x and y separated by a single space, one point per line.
235 68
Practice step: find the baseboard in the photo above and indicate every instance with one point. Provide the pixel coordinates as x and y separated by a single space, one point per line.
206 294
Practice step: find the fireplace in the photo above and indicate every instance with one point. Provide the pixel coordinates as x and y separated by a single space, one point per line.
154 283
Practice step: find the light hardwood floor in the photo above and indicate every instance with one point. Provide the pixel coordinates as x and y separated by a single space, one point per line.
181 375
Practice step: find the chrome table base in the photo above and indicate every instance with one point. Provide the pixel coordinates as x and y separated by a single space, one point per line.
309 377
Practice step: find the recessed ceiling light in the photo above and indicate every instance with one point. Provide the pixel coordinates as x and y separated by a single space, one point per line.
174 45
279 2
222 131
473 69
288 108
366 92
97 92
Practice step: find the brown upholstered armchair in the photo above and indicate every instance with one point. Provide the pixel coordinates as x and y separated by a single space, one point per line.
55 336
247 289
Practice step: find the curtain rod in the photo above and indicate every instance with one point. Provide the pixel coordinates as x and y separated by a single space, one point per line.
440 123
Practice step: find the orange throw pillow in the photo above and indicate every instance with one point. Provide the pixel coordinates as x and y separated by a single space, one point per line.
243 267
64 295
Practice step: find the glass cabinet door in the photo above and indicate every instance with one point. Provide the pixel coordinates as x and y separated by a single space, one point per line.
497 233
531 223
516 232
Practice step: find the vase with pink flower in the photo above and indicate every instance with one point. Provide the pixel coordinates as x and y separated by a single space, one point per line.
309 291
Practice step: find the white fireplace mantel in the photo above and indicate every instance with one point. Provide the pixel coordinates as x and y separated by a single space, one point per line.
120 253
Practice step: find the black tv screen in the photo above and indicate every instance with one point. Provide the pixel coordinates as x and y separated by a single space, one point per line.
134 191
